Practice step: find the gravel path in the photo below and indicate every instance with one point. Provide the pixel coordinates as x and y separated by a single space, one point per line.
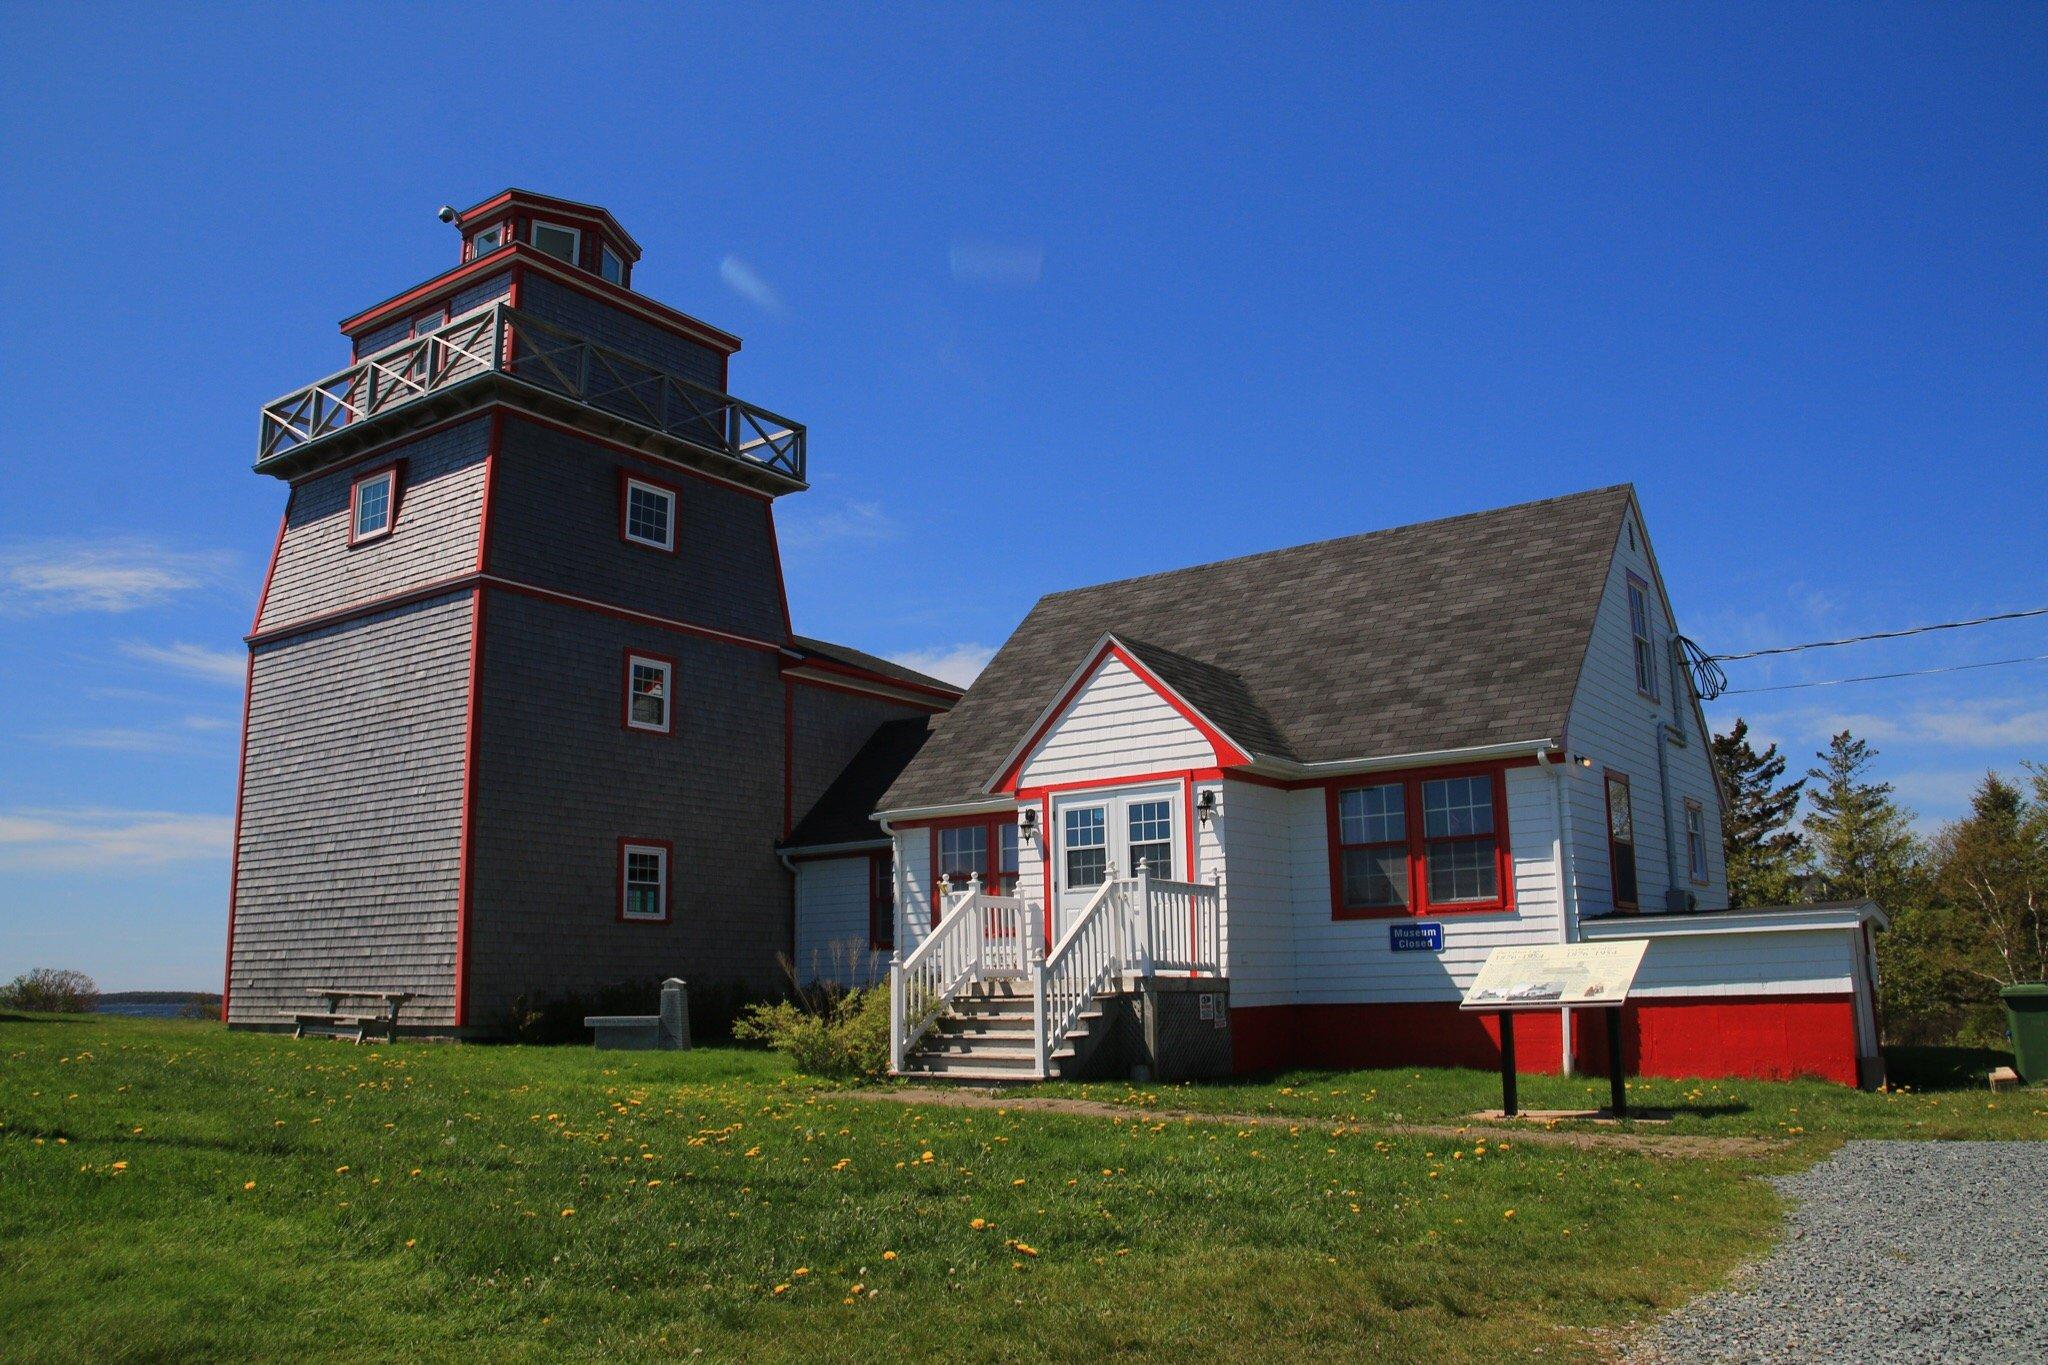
1895 1251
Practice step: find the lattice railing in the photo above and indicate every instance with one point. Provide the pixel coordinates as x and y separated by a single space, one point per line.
509 341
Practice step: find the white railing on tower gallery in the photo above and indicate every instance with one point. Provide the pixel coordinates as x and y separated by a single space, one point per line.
1139 926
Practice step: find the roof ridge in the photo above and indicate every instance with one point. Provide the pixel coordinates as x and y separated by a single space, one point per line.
1586 493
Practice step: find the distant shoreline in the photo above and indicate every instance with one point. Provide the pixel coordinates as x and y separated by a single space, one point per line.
159 997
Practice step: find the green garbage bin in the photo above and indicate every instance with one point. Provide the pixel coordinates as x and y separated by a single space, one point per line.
2026 1014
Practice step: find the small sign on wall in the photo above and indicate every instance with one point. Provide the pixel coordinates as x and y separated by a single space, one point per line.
1416 938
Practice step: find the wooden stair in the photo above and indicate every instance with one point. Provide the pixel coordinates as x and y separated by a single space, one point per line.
987 1035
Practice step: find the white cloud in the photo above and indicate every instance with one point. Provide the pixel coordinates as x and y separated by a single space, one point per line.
960 664
745 281
97 839
50 577
197 661
113 739
1009 265
850 523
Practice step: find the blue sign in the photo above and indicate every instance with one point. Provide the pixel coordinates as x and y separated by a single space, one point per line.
1415 938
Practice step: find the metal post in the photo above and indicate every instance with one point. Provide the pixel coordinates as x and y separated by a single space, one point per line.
1508 1107
1617 1090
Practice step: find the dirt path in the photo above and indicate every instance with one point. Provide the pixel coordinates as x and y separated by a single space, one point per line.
969 1097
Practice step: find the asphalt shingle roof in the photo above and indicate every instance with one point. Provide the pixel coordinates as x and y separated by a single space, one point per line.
842 814
1446 634
860 658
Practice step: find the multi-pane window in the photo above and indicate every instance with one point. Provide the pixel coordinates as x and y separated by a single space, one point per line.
1696 841
1006 858
963 853
1087 845
881 901
427 322
1459 850
648 692
372 502
611 265
1639 631
643 880
1372 830
487 241
650 515
1621 841
556 241
1151 831
1386 860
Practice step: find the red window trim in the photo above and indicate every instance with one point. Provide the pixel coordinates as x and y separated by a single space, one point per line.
668 725
881 927
394 471
1419 904
993 822
668 880
627 478
1608 777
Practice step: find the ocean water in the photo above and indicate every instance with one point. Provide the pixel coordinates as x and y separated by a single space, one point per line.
141 1011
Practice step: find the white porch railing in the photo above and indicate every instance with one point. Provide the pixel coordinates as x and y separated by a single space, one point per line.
978 937
1140 925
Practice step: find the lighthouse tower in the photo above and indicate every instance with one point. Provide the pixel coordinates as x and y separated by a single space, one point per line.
525 712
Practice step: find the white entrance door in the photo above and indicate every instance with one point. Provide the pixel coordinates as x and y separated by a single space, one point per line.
1095 830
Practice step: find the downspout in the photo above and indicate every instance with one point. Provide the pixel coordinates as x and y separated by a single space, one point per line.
1567 886
897 929
1668 733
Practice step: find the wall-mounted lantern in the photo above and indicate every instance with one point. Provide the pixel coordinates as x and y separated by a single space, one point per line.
1206 805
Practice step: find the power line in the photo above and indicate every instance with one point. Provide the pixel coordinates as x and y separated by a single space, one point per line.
1882 677
1880 635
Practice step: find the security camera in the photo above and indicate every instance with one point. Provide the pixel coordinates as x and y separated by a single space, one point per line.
446 213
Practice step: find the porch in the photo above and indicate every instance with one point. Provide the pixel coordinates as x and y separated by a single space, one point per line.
985 996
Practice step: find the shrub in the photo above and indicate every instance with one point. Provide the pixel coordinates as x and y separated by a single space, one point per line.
48 990
839 1035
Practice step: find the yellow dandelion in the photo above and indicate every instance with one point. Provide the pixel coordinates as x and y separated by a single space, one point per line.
1018 1181
248 1184
411 1242
977 1223
801 1271
1507 1213
888 1255
341 1170
780 1289
568 1213
120 1165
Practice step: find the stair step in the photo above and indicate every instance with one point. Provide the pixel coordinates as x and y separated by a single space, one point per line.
970 1068
954 1045
986 1024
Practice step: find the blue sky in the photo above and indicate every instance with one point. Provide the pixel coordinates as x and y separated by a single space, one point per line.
1065 294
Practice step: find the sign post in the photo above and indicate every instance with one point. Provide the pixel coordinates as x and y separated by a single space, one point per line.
1552 977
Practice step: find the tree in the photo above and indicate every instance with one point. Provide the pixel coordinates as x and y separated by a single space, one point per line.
1992 867
1859 840
1763 850
49 990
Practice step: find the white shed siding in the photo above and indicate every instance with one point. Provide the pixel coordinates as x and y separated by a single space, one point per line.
1788 962
1116 726
832 923
1617 727
1254 837
914 889
1345 961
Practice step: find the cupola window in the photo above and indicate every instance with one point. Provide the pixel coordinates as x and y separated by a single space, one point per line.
560 242
487 241
611 266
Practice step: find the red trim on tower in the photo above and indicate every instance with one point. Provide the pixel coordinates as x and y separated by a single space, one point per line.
276 549
1226 754
241 787
465 884
929 707
870 675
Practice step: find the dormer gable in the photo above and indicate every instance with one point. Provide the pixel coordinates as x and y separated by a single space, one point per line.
1116 717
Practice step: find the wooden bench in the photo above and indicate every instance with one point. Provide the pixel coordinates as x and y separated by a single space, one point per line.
337 1022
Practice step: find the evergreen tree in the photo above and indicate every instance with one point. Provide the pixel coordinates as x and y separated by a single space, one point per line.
1992 868
1859 839
1763 850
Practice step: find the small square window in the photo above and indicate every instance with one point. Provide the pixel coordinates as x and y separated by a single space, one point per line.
611 265
487 241
562 243
428 322
643 881
372 506
648 682
650 515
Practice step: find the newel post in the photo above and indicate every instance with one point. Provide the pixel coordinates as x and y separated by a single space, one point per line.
1145 915
978 927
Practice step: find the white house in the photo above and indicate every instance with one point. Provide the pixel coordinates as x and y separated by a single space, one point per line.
1284 806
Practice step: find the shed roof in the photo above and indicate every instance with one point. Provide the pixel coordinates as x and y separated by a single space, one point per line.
1443 635
847 655
843 813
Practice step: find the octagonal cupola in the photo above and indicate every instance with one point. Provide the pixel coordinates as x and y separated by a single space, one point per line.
581 235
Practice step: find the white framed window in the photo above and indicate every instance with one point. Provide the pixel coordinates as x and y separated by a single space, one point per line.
611 265
648 515
649 683
427 322
1696 841
552 239
1087 845
643 879
487 241
1639 629
373 505
1150 826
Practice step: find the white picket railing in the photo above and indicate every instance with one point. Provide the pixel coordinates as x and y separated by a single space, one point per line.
1176 926
978 937
1080 966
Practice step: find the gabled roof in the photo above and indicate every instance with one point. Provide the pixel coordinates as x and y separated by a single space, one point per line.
812 650
844 813
1445 635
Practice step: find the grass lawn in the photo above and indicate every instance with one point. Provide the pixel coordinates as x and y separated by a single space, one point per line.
1941 1094
168 1189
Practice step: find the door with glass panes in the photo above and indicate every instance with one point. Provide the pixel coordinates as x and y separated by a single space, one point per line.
1095 830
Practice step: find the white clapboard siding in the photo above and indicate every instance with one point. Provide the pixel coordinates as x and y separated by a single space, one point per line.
832 923
1115 726
1794 962
1255 837
1616 726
